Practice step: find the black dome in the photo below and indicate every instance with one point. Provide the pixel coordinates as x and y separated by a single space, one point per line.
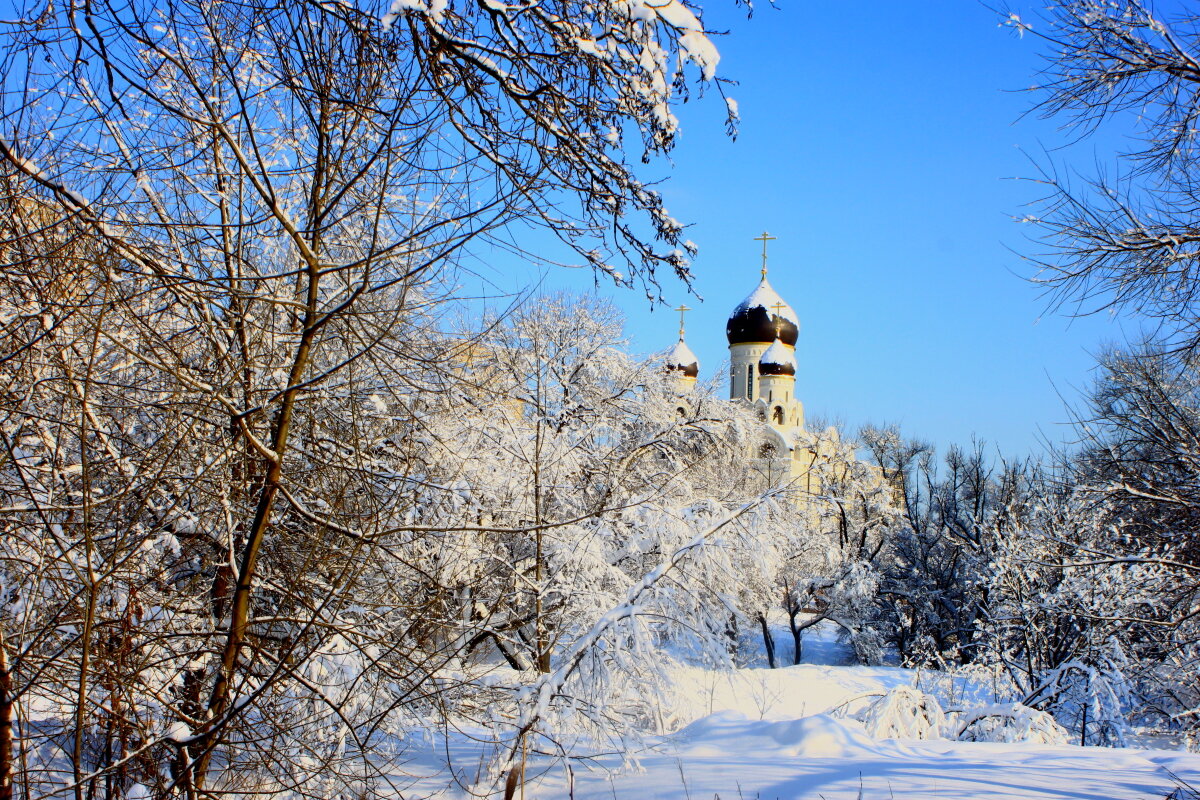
682 359
691 370
755 319
776 369
777 360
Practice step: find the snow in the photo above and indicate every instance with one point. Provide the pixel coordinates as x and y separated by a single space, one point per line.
765 296
681 355
178 732
696 47
794 733
904 713
1011 722
816 736
778 353
821 756
434 10
589 46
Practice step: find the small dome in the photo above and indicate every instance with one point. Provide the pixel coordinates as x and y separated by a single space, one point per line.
777 360
755 318
682 359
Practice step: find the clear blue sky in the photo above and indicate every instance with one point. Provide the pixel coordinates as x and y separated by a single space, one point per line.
879 142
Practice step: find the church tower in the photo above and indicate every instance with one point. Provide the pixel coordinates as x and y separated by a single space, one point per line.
682 365
762 333
777 386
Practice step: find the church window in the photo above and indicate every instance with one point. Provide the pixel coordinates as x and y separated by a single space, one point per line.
749 381
777 415
767 450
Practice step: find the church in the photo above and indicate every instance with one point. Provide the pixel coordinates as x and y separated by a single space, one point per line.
762 331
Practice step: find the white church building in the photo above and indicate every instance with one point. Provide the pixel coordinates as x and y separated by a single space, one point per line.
762 331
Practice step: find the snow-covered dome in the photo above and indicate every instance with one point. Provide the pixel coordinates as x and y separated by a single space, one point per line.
682 359
755 318
777 360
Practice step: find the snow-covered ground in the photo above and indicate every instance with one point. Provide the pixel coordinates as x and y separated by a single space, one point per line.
732 756
791 734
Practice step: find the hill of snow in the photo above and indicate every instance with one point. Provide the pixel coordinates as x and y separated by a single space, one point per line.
730 755
794 733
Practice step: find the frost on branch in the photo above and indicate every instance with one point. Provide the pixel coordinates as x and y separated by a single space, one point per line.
566 79
230 268
1011 723
904 713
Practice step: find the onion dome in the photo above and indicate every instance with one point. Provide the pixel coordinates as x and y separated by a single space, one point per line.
777 360
682 359
755 319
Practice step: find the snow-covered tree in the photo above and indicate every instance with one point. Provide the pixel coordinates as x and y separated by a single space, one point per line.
1123 240
1125 245
934 594
228 235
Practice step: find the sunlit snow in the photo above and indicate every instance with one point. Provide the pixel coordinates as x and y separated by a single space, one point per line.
806 733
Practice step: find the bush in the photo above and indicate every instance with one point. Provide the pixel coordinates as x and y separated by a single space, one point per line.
904 713
1011 723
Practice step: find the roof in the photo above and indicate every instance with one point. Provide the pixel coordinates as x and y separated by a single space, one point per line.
779 359
682 358
757 318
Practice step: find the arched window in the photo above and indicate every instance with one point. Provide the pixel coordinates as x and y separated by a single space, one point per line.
777 415
749 381
767 450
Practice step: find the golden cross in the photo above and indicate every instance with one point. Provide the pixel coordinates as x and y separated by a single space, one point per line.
779 307
682 308
766 237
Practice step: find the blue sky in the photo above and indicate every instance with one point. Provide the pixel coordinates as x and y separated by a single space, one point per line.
881 143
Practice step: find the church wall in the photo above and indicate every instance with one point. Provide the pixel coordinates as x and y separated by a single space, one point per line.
680 384
743 366
780 391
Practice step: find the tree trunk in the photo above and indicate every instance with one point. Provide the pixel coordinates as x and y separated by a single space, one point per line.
6 725
768 640
1084 722
797 636
239 616
509 656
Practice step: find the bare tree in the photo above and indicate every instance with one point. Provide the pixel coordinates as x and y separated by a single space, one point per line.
1126 241
227 231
